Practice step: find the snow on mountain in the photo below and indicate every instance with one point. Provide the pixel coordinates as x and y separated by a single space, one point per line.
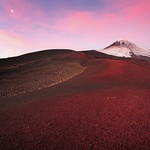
124 48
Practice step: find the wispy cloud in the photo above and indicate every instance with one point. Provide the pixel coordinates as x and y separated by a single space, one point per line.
132 19
12 43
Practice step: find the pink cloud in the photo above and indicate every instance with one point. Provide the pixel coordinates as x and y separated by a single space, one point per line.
84 22
12 43
136 17
12 38
140 14
130 21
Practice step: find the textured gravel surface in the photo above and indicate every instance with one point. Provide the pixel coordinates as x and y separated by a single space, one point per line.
35 75
105 107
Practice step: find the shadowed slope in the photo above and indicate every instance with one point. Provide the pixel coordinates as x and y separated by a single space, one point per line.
38 70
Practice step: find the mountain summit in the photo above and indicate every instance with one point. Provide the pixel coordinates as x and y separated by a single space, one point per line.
124 48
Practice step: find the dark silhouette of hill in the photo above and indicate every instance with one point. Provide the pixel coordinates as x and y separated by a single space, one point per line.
35 56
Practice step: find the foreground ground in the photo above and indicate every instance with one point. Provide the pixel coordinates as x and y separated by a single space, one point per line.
107 106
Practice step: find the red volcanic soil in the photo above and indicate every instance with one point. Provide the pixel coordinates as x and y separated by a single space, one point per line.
105 107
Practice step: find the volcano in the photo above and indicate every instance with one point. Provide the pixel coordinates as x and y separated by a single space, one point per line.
124 48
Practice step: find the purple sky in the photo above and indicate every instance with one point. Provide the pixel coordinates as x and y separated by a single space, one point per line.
32 25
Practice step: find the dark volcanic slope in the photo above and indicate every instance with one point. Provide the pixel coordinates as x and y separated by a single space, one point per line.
38 70
105 107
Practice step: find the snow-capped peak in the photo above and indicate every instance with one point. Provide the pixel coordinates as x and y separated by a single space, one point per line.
121 41
124 48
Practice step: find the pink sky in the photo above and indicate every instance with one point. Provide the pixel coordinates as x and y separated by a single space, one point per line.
37 25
